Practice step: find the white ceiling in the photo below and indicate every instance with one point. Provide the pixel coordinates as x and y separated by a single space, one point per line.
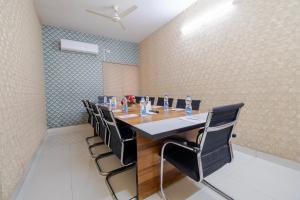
150 15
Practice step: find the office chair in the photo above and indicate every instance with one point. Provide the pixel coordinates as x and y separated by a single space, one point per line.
152 99
195 104
160 101
87 110
211 151
101 99
101 128
122 142
91 120
138 99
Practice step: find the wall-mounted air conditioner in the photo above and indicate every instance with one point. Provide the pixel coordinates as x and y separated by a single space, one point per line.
82 47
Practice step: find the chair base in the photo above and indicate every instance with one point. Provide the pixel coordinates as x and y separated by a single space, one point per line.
88 138
99 157
203 181
91 146
115 172
216 190
94 145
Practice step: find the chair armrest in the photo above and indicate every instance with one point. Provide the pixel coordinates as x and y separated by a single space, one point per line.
182 144
128 139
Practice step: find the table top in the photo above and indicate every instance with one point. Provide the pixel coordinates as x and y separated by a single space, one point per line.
162 124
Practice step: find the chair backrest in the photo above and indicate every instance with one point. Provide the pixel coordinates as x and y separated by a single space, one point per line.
215 145
152 99
90 109
100 99
180 103
101 125
160 101
195 104
138 99
87 110
115 140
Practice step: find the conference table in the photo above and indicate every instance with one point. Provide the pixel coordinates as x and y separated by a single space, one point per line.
151 132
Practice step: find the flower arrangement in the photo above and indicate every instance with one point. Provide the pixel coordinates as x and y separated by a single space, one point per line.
130 100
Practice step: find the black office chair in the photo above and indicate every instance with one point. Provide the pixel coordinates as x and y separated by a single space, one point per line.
92 121
101 99
101 129
210 152
160 101
152 99
195 104
122 142
138 99
87 110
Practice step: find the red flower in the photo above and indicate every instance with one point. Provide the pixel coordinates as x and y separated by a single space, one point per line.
130 99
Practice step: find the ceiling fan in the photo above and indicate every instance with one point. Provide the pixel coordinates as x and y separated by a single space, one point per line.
117 17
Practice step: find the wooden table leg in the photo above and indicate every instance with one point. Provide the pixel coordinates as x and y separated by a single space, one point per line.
148 167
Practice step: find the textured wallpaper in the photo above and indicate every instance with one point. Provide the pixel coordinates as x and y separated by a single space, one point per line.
22 104
71 76
252 55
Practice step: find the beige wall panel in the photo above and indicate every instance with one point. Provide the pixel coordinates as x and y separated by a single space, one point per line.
120 79
22 105
251 56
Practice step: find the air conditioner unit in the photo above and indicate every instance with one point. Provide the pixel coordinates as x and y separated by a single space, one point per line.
82 47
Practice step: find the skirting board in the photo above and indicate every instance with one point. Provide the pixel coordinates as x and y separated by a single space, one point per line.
68 129
269 157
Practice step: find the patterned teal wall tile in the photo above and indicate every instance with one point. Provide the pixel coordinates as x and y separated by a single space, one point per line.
70 77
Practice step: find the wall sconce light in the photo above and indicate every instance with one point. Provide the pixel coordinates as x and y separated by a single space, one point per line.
209 16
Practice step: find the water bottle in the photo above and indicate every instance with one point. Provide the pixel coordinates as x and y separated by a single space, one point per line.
105 99
147 99
125 105
113 102
143 106
188 105
148 104
166 103
116 104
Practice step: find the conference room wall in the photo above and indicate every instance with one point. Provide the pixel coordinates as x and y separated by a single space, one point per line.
251 56
120 80
22 94
70 76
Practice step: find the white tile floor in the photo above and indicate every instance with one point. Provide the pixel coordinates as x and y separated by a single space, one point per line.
64 170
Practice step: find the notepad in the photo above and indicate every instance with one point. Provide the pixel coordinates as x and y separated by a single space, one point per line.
155 107
177 109
199 118
127 116
151 113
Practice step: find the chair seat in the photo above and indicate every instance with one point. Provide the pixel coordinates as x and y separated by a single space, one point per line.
183 159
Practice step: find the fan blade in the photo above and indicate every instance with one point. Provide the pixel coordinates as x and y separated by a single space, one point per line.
128 11
99 14
122 25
